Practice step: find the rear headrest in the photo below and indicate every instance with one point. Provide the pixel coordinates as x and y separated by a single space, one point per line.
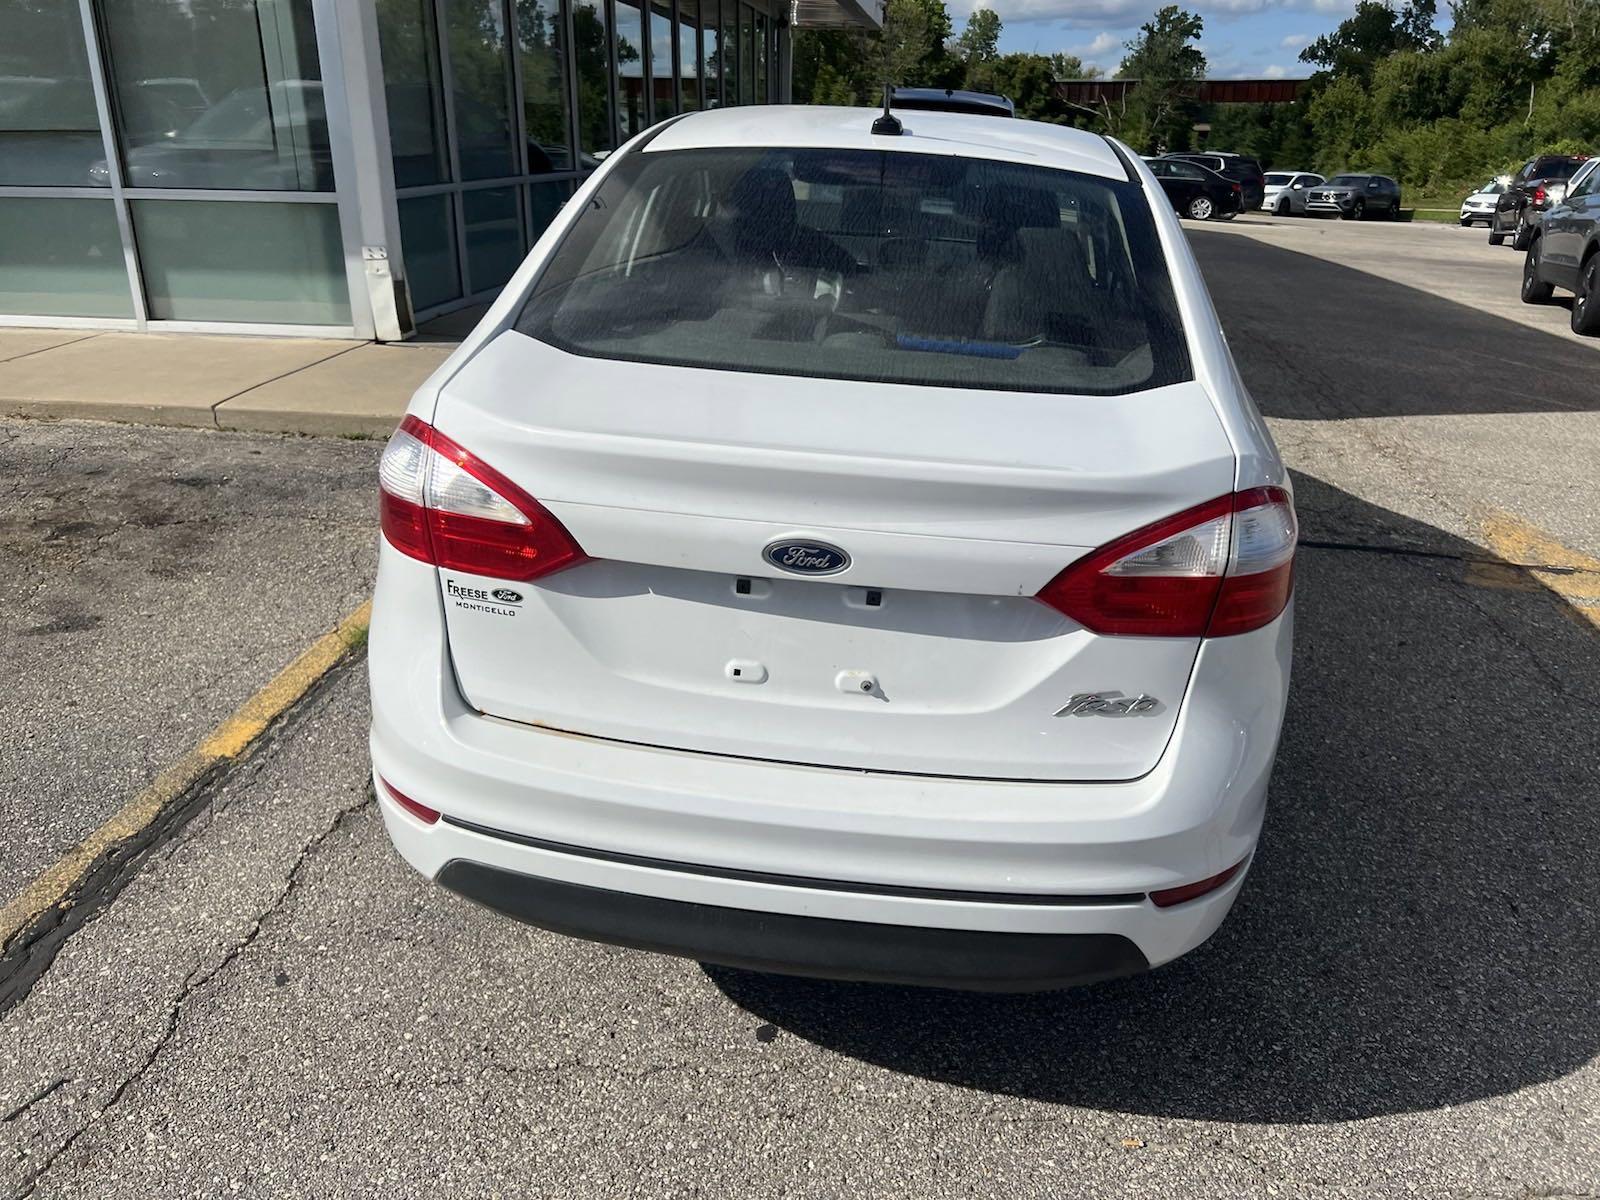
762 195
1011 208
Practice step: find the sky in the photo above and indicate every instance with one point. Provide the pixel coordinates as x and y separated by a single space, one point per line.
1243 39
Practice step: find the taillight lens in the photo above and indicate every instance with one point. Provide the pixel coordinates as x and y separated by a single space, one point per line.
442 504
1220 568
1538 195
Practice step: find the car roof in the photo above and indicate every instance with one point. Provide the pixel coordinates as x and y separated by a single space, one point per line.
964 135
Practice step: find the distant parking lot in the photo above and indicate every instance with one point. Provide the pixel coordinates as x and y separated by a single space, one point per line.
1440 259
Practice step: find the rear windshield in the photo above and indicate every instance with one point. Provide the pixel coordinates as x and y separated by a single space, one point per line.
1557 168
873 265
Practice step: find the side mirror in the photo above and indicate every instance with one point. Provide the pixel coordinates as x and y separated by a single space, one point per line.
1297 186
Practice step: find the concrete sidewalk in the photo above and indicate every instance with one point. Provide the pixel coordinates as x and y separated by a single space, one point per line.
284 385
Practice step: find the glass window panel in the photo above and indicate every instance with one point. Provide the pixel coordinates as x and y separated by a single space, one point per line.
414 94
62 258
746 55
481 81
661 73
730 52
589 36
689 53
710 69
493 224
219 95
49 131
544 201
428 248
762 95
541 38
632 115
221 260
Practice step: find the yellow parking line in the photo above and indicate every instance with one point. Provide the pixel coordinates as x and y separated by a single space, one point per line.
228 740
1538 562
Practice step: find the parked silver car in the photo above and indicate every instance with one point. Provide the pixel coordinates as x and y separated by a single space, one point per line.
1286 192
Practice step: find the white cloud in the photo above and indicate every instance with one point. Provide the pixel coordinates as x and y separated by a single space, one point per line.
1102 42
1294 41
1274 72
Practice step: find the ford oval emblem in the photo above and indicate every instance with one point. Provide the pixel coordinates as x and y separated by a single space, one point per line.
807 558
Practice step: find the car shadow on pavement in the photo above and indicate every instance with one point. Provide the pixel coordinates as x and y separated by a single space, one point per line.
1391 368
1420 925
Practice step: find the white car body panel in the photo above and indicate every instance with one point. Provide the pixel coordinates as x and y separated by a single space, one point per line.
956 506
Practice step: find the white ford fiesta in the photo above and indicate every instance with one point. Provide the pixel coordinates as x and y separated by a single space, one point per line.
842 553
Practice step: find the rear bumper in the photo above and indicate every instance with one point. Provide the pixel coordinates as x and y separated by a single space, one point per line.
933 859
800 945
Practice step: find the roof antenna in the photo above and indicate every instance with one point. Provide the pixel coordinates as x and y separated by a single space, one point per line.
888 124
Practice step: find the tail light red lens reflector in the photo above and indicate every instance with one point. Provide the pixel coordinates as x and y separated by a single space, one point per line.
1220 568
428 816
1167 897
443 505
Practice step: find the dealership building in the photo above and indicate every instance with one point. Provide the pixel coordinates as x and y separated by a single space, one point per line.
340 168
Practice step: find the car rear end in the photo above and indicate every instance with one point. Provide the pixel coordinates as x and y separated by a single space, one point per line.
1252 179
841 556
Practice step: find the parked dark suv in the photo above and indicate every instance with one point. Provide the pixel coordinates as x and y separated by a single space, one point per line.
1533 189
1355 197
1245 170
1564 251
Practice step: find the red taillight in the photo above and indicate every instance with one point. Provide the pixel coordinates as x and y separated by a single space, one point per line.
442 504
1167 897
428 816
1538 195
1238 187
1219 568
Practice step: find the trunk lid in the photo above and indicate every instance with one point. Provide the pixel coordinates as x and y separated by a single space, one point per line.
954 507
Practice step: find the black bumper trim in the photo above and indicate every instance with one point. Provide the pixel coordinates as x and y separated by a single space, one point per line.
786 944
1050 900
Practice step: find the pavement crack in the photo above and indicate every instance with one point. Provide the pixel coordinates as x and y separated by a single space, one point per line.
1485 558
194 982
47 1090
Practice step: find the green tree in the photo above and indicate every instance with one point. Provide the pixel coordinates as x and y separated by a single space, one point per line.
1070 66
832 66
1372 34
980 40
1028 81
912 46
1166 60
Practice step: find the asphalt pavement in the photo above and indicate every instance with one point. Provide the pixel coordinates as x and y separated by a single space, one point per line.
1402 1003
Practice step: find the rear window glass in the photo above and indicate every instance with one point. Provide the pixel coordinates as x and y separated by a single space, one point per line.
873 265
1558 168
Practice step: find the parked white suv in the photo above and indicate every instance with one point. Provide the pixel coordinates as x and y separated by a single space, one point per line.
842 554
1286 191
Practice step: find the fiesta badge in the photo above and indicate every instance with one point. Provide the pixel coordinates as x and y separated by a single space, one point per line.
807 558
